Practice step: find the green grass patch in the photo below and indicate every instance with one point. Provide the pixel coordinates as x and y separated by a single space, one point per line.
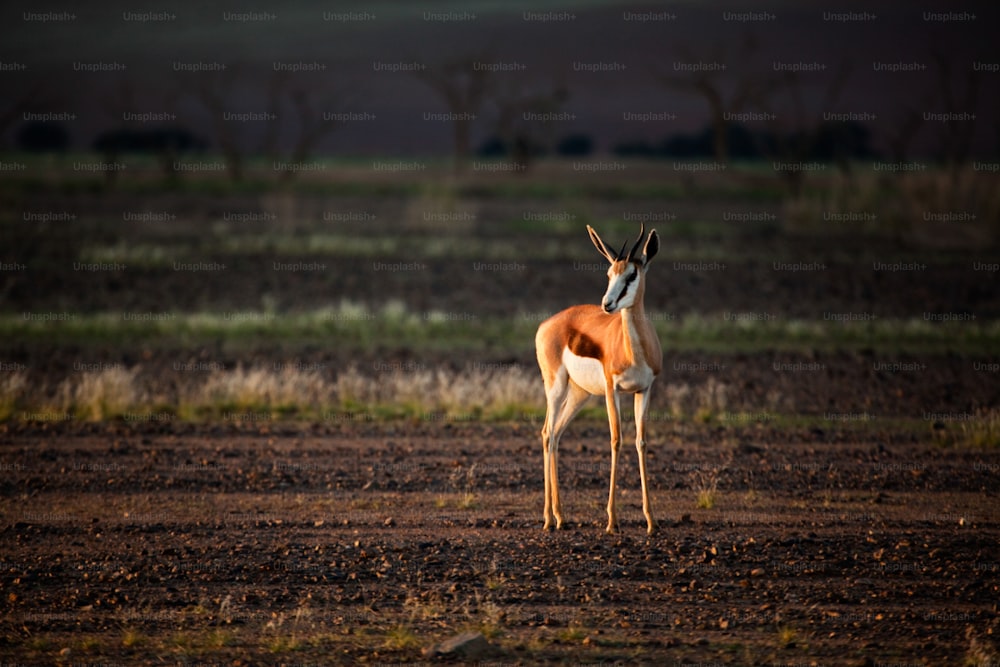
283 644
547 179
133 638
977 430
273 247
983 430
357 327
401 638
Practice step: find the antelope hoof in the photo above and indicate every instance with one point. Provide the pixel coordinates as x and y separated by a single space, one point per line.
652 527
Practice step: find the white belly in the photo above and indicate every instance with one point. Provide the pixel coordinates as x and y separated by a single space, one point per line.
585 371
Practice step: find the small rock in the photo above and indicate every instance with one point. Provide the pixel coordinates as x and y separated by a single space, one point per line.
468 645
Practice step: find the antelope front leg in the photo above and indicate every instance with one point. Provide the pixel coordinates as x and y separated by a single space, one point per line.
614 422
641 403
546 467
554 476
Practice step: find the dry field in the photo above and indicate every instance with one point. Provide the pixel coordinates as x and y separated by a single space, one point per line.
298 423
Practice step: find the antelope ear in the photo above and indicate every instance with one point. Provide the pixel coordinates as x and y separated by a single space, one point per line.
635 246
652 246
599 244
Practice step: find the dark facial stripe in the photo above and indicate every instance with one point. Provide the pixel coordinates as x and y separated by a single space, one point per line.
628 281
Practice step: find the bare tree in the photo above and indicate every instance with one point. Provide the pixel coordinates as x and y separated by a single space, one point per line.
995 124
313 110
716 82
463 84
902 132
958 95
300 111
37 97
215 90
525 116
123 99
801 127
118 99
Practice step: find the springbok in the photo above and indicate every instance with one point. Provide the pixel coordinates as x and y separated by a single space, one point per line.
604 350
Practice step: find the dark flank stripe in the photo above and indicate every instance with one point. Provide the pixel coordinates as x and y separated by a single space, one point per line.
583 345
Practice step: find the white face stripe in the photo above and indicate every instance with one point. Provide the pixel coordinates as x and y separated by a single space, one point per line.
622 288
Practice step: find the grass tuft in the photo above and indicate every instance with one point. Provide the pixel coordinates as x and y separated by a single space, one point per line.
401 637
787 636
980 653
706 483
103 394
983 430
13 392
132 638
280 390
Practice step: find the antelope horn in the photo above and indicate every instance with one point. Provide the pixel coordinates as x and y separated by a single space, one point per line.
642 230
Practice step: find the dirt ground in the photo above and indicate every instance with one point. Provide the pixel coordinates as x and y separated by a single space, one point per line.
350 542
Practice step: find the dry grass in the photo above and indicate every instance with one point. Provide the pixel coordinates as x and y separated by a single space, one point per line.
13 391
98 395
979 430
257 387
500 392
702 402
116 392
902 201
983 430
705 482
401 637
469 393
285 632
788 636
981 653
